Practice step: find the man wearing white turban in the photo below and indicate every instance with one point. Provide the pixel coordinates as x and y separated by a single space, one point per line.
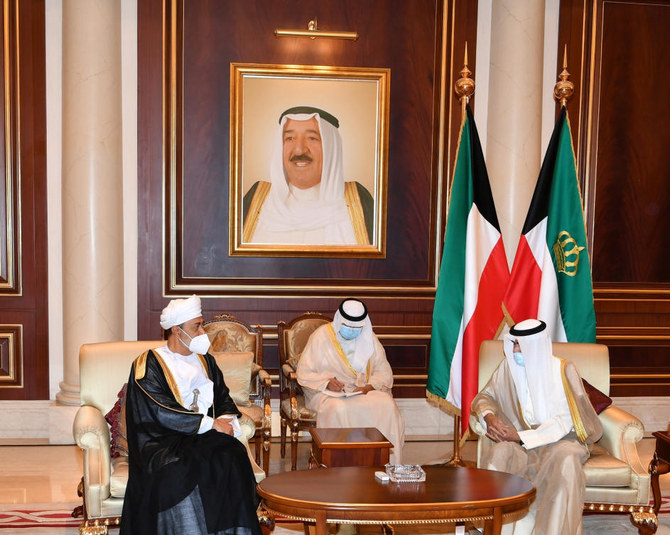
307 201
345 356
187 471
536 412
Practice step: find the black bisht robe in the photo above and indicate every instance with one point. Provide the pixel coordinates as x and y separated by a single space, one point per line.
169 460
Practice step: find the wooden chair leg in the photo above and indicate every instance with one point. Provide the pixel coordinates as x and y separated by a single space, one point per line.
266 451
294 448
78 511
646 522
282 431
257 447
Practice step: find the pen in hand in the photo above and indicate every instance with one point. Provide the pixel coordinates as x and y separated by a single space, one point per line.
334 385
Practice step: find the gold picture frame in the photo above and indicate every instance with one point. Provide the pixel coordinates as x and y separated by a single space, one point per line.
357 101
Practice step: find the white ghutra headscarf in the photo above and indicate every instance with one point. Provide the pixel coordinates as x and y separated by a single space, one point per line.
290 209
540 376
353 313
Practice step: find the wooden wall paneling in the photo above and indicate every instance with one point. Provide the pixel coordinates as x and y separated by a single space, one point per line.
639 370
24 369
150 149
408 356
205 164
630 158
421 42
616 55
11 356
10 275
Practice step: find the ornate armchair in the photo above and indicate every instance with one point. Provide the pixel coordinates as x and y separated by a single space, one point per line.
616 480
293 337
103 370
238 350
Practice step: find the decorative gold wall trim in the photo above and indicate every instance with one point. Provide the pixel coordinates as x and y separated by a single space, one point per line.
589 177
445 114
418 376
170 130
636 294
10 268
639 337
401 336
11 356
662 376
313 291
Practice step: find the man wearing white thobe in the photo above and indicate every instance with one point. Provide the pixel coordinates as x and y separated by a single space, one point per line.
345 356
535 410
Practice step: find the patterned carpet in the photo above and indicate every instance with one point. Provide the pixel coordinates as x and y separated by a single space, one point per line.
40 519
55 519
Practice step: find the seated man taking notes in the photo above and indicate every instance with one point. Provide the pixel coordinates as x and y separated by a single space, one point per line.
347 379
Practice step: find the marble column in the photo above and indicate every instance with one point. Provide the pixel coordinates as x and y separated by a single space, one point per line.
92 184
514 125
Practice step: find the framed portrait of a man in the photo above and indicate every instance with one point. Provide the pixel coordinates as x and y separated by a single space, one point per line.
308 160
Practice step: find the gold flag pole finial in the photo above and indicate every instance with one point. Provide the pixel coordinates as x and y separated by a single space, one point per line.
465 86
564 88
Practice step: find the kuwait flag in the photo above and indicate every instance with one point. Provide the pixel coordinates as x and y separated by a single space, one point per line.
473 278
551 275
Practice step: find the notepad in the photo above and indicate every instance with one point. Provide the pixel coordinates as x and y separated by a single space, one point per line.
342 394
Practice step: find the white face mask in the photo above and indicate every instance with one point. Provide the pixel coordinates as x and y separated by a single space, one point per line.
198 344
518 358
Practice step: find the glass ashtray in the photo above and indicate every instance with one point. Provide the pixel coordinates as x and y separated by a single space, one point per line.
405 473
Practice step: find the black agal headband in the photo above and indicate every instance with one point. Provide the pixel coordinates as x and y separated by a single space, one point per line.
310 109
514 331
349 316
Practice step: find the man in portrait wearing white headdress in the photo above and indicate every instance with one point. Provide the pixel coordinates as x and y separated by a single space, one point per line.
307 201
536 412
346 356
187 471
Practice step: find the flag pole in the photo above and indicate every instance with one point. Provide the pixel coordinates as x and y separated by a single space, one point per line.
464 88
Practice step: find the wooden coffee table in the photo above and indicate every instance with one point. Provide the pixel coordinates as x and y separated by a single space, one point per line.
348 446
354 495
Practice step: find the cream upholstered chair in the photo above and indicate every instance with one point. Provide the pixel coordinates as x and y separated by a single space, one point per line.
616 479
238 350
293 337
103 370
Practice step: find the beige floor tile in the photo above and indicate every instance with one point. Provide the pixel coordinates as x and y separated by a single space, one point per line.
39 474
44 474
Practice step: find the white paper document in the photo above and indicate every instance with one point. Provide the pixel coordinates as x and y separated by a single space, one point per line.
342 394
